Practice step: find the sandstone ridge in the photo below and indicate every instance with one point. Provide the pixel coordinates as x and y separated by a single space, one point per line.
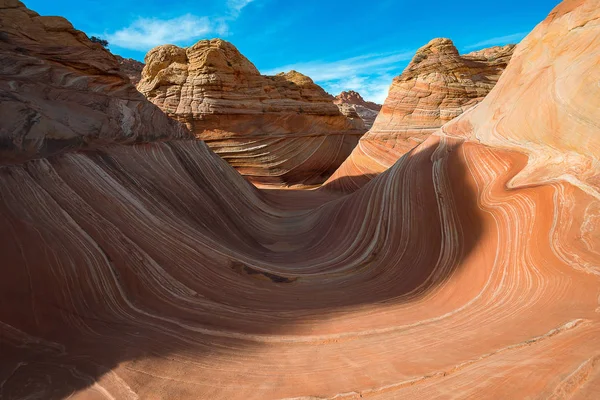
131 68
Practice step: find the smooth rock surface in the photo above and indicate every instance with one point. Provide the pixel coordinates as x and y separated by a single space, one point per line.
277 130
438 85
156 271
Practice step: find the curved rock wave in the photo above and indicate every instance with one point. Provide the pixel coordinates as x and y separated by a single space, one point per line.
155 270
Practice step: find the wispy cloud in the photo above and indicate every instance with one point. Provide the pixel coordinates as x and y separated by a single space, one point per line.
372 88
498 41
236 5
369 74
145 33
338 69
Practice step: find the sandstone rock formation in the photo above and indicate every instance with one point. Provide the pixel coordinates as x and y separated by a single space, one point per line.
275 130
351 103
46 64
438 85
156 271
132 68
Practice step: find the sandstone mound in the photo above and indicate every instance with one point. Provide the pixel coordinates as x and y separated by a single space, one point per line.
156 271
275 130
352 104
438 85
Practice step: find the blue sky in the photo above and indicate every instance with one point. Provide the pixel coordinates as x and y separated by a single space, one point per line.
354 44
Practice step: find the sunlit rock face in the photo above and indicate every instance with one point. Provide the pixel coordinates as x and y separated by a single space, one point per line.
155 270
351 103
275 130
438 85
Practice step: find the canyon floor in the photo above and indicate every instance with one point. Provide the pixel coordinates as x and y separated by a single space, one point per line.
432 279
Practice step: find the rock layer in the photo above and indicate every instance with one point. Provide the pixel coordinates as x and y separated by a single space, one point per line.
156 271
275 130
351 104
438 85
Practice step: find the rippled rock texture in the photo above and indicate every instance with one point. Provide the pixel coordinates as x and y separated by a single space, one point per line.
351 104
438 85
156 271
275 130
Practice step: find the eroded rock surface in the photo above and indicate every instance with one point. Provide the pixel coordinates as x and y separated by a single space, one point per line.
547 104
438 85
155 270
275 130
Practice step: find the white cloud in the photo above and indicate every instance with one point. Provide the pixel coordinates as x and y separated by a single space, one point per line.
371 88
146 33
369 74
498 41
328 70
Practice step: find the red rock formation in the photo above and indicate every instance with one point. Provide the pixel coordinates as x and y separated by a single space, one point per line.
351 103
353 97
132 68
275 130
156 271
437 86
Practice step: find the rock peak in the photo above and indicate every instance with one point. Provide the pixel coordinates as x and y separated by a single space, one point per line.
353 97
440 42
437 86
350 96
440 47
352 104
